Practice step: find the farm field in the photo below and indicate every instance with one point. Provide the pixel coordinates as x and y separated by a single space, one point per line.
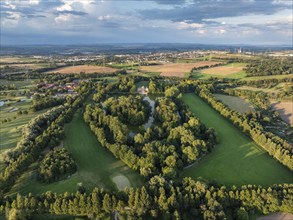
175 69
285 110
83 69
231 71
10 59
28 65
226 70
235 103
236 160
97 167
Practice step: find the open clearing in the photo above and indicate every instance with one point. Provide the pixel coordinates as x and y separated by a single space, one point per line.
235 103
175 69
236 160
285 110
277 216
83 69
96 165
224 70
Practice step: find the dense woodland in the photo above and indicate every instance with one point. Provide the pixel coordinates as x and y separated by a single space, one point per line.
176 139
56 164
269 67
132 109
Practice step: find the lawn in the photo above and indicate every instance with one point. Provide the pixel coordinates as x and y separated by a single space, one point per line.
97 167
237 160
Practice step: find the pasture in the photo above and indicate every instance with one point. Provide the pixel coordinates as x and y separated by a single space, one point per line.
83 69
236 160
97 167
175 69
235 103
285 110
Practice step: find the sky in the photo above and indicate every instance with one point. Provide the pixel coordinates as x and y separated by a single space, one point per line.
254 22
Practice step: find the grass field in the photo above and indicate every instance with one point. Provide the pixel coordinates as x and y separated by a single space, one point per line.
96 165
268 77
237 160
285 110
175 69
11 131
235 103
83 69
18 84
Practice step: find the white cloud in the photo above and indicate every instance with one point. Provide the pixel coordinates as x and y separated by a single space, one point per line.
185 25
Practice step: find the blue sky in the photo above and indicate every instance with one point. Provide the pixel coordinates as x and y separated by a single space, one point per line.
158 21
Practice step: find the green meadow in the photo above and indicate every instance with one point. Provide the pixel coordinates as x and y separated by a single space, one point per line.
236 160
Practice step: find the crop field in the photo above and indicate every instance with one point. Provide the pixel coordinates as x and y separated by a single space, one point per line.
97 167
175 69
226 70
28 65
83 69
7 59
235 103
285 110
236 160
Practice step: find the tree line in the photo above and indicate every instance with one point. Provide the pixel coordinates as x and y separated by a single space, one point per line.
159 199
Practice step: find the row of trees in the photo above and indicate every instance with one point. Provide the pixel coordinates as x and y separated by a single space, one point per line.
159 199
42 131
46 102
274 145
55 165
